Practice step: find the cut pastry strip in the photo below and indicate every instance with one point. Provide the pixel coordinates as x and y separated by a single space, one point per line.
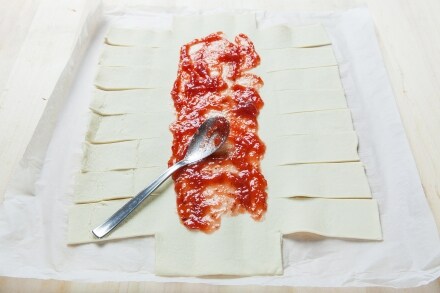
99 186
282 36
105 129
112 156
313 148
339 218
292 101
154 152
84 217
144 176
328 121
192 27
320 78
145 153
330 180
131 101
123 78
138 56
139 37
294 58
275 37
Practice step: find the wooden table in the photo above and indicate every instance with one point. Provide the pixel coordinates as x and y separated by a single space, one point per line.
408 33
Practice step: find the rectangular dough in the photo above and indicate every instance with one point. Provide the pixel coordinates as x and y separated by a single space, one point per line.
328 121
230 24
85 217
144 176
105 129
283 36
139 37
275 37
139 56
320 78
154 152
111 156
293 101
313 148
98 186
144 153
340 218
295 58
108 185
125 78
330 180
131 101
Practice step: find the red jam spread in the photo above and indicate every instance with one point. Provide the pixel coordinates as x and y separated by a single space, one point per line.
214 78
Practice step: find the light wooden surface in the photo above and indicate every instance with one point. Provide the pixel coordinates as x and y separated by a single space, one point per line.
49 286
408 33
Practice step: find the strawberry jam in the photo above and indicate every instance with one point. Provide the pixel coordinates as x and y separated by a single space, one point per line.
213 77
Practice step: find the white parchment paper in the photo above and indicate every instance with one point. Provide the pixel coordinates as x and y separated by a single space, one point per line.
33 226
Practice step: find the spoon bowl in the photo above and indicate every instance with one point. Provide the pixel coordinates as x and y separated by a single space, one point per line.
210 136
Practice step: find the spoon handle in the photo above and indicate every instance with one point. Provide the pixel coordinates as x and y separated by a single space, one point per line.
131 205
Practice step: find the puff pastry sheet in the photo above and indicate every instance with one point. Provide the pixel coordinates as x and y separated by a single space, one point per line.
316 183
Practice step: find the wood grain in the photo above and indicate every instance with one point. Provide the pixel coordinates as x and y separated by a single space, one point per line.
410 44
408 35
8 285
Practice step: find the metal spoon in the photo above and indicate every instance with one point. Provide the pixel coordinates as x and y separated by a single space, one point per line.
209 137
